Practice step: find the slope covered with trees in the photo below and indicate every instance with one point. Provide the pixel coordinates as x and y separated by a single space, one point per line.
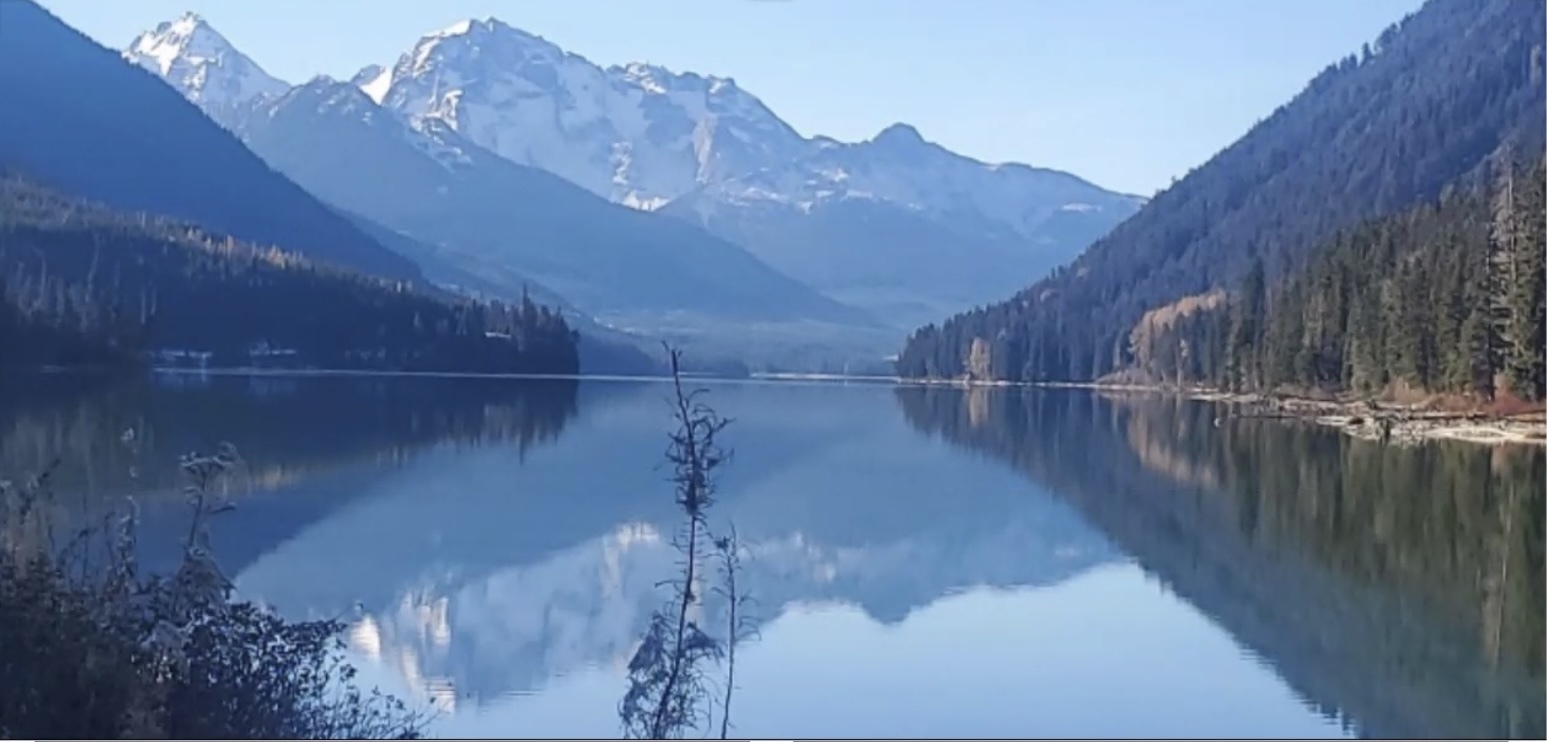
79 118
1428 106
1445 297
83 283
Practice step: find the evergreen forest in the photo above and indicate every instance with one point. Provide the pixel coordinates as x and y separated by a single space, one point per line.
87 285
1380 231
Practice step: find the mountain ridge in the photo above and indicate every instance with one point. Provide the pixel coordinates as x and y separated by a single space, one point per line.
895 226
703 149
81 142
433 185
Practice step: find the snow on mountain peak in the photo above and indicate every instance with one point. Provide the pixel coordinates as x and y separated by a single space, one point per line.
456 29
188 22
656 79
374 80
472 25
477 32
638 134
189 54
648 77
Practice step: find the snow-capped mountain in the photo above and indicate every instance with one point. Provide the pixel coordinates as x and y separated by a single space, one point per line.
636 134
80 119
905 227
643 135
194 58
703 149
900 167
506 222
895 225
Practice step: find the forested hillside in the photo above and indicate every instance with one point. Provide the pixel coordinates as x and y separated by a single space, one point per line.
1429 106
1445 297
81 119
85 284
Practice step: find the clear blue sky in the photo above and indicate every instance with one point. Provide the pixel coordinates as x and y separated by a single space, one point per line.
1127 93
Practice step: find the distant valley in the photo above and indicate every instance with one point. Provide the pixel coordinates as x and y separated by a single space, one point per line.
662 204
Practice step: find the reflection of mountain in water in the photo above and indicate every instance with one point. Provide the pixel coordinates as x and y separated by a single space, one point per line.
313 442
497 576
1401 588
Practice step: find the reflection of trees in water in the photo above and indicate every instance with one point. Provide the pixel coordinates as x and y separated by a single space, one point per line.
283 426
1401 586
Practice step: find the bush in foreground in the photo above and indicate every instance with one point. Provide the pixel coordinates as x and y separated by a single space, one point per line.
92 648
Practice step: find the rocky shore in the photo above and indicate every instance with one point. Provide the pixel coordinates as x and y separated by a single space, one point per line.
1363 418
1389 421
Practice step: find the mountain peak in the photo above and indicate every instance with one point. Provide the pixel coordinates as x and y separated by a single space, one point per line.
326 93
899 133
321 80
190 55
472 42
170 40
481 27
190 20
464 27
375 80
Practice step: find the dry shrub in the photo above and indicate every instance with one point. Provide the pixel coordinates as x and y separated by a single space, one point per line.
104 651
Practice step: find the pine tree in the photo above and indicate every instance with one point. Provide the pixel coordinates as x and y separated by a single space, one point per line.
1246 319
1523 296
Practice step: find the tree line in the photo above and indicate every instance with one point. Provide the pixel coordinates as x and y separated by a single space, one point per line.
1445 297
84 284
1422 109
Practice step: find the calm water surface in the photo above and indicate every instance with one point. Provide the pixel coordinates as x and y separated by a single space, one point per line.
926 562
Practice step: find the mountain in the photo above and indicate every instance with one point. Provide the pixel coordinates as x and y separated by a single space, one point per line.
906 227
424 179
78 118
902 229
895 224
197 60
638 134
1431 105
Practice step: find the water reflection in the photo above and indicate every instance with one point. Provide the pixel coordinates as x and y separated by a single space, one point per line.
927 561
496 579
318 441
1400 588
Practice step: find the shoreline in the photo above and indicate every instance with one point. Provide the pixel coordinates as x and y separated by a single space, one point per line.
1364 418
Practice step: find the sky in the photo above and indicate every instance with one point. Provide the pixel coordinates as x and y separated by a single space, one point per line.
1126 93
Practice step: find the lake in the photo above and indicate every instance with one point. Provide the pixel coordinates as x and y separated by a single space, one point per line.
926 562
